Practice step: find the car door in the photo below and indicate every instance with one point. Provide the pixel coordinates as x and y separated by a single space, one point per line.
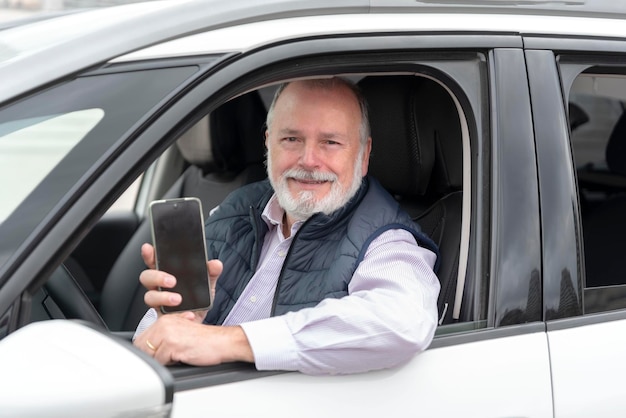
495 360
582 217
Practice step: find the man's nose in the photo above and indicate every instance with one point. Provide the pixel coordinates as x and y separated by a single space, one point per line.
310 155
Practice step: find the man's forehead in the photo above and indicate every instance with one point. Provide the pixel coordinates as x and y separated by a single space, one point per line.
304 87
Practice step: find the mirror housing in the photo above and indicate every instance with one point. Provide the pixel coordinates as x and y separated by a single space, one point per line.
70 368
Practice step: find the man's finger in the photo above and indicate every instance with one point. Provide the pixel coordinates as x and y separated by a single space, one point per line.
195 316
155 299
215 268
155 279
147 253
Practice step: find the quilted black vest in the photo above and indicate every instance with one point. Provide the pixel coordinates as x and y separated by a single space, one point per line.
323 255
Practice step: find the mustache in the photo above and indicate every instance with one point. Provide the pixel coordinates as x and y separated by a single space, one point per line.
306 175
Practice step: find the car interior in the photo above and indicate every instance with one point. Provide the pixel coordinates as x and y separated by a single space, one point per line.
598 125
416 156
603 225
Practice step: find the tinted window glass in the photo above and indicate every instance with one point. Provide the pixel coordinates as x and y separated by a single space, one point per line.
597 104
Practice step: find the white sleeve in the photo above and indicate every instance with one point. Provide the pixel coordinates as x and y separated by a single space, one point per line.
389 315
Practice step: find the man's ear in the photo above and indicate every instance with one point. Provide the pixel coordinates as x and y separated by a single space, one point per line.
366 156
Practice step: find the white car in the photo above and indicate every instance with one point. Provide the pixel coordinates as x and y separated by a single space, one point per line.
500 128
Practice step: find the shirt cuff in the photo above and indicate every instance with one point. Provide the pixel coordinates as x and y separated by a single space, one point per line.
272 343
148 319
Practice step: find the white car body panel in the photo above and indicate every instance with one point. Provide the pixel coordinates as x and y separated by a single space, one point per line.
474 379
124 29
588 369
253 35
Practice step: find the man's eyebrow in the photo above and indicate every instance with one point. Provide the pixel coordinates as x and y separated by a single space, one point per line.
324 135
289 131
332 135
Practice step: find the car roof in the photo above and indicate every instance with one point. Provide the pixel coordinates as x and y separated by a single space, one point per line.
35 54
238 39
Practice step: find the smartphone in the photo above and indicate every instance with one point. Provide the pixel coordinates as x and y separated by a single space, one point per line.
180 250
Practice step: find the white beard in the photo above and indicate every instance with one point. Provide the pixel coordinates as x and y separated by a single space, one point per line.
304 205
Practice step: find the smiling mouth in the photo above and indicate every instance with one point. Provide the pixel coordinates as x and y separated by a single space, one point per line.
310 181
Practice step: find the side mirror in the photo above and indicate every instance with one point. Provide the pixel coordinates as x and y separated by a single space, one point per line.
69 368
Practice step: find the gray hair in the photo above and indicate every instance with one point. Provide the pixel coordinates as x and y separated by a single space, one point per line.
328 83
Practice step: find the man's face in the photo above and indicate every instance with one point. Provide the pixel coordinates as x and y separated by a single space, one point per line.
315 158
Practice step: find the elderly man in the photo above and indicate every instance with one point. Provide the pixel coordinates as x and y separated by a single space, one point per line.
319 269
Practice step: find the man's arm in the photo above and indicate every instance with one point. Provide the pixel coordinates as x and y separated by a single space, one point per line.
389 315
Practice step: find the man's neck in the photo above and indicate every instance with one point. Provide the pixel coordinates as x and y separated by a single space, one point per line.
288 222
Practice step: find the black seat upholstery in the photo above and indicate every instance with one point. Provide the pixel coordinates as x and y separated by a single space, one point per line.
604 233
615 152
417 156
234 156
612 178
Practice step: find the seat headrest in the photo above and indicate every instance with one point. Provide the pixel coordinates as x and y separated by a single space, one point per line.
236 131
440 118
230 138
615 152
577 116
195 145
403 147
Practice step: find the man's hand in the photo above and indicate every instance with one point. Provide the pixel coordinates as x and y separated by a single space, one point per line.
178 338
181 337
153 279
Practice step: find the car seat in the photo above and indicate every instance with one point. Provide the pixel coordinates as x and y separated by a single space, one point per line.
225 151
611 179
417 156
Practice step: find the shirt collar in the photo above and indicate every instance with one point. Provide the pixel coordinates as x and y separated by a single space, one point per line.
273 215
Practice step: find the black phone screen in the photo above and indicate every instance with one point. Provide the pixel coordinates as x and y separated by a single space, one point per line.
178 235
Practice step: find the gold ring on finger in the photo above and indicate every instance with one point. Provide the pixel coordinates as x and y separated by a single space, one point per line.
150 345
